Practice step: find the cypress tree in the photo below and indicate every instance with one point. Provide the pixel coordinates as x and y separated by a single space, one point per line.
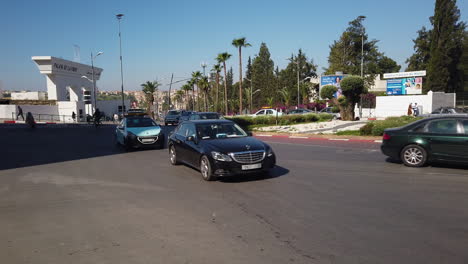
263 77
443 72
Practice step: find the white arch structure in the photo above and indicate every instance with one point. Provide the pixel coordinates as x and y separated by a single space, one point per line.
64 79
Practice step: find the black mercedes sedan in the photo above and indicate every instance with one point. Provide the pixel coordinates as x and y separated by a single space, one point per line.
219 148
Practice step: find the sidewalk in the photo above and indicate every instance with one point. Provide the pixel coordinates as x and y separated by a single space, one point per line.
316 127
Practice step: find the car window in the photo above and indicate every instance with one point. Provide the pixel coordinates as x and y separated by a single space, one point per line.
140 122
209 116
217 131
261 112
191 130
420 129
446 111
182 130
173 112
437 111
465 126
269 112
447 126
194 117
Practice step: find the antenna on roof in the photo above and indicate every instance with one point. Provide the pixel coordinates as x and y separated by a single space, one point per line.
76 53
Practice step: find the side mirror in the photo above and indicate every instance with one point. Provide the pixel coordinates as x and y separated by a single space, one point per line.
249 134
120 127
192 138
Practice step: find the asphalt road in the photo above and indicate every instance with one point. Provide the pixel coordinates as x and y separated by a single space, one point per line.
69 195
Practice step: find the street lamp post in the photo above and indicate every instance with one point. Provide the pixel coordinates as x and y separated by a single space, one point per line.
94 80
362 47
203 65
298 92
119 17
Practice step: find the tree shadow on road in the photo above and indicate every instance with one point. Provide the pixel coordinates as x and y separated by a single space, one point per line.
276 172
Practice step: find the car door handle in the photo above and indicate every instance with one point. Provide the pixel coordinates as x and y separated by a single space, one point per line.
177 141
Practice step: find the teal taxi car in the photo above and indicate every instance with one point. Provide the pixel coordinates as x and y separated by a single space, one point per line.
443 139
139 132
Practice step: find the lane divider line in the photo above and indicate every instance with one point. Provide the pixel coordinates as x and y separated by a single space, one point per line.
339 139
297 137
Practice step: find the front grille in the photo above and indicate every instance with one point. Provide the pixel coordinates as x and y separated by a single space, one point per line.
147 140
248 156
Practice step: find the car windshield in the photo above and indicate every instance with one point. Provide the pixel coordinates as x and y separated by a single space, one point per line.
219 130
173 112
140 122
205 116
461 110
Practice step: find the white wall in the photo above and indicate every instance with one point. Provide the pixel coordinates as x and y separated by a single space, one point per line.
111 107
398 105
28 95
6 110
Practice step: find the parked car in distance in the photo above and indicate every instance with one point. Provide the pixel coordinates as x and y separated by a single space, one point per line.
219 148
447 111
267 112
329 110
438 138
172 117
185 115
205 115
139 132
300 111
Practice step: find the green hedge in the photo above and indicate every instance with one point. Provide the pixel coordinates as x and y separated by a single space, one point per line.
376 128
248 122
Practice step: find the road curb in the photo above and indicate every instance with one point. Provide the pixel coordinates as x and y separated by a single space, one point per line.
319 138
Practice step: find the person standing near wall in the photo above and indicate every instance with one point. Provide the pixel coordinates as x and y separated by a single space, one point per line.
74 116
20 113
410 109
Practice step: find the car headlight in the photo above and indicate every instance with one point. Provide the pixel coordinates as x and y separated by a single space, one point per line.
220 156
270 152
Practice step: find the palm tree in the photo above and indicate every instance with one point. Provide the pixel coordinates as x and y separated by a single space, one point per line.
187 88
217 69
149 88
191 82
286 96
196 76
222 58
204 86
240 43
179 98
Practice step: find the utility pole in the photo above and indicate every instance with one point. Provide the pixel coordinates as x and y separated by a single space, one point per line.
170 86
119 17
298 93
94 82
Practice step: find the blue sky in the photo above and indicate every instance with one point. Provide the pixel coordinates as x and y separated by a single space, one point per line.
161 37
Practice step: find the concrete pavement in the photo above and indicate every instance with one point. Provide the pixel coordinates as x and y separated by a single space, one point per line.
69 195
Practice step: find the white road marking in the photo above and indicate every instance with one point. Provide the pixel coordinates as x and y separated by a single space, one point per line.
297 137
339 139
263 135
378 141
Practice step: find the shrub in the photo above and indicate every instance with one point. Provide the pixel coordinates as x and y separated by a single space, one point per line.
376 128
328 91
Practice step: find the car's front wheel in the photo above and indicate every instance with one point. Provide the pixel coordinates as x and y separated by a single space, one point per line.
205 169
413 156
173 155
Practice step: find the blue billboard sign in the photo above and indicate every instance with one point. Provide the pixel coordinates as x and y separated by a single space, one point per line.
404 86
334 80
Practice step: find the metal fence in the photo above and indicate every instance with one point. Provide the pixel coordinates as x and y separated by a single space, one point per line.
45 117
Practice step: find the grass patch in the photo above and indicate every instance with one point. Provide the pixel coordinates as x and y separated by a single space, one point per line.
348 133
376 128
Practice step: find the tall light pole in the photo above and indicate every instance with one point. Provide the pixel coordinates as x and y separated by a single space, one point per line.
362 46
252 92
203 65
119 17
94 80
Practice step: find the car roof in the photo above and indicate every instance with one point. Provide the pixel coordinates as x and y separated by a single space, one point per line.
460 116
201 113
208 121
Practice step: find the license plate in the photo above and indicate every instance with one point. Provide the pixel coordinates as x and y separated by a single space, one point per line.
146 140
251 166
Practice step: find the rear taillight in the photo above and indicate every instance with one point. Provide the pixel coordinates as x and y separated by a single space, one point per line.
386 136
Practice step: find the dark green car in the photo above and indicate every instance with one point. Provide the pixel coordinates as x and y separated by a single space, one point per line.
438 138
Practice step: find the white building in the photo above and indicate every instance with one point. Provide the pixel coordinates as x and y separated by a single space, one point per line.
28 95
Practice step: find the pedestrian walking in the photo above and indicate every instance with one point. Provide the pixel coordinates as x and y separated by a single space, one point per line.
30 120
20 113
410 109
74 116
415 109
